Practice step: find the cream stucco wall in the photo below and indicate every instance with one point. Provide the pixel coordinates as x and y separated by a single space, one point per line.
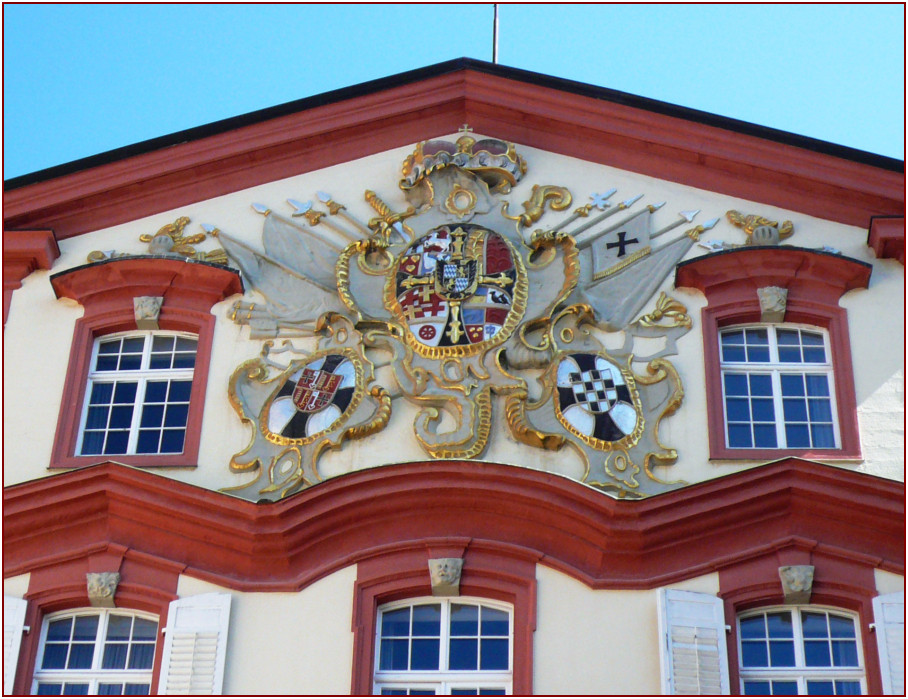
16 586
39 330
573 650
283 643
888 582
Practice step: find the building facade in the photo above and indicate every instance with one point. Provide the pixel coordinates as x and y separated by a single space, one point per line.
467 381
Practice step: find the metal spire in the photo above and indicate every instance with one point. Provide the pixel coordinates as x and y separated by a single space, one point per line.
495 36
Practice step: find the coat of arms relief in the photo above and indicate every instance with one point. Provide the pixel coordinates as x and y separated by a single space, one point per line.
477 311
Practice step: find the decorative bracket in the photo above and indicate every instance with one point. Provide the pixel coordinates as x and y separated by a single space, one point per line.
147 310
101 588
445 576
773 300
797 583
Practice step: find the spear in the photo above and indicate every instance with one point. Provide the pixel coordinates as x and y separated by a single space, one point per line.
651 208
336 209
626 204
265 211
584 211
686 216
315 217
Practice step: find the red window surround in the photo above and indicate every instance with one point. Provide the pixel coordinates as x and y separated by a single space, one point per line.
147 584
23 253
106 290
490 570
841 579
815 282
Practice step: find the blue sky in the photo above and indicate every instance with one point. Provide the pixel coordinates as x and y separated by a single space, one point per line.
83 79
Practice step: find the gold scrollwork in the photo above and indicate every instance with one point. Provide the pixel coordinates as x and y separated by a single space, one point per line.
668 309
559 198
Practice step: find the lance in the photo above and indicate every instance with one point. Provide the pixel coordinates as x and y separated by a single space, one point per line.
626 204
315 218
686 217
215 232
584 210
651 208
336 209
265 211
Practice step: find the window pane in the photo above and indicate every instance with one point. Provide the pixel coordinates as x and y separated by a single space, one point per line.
162 343
844 653
753 654
160 361
97 418
144 630
116 443
781 654
179 391
48 689
92 443
491 692
760 385
464 692
736 384
75 689
780 625
792 385
784 688
820 688
841 627
847 688
493 654
148 442
790 355
763 410
121 417
125 392
817 384
114 656
106 363
80 656
464 620
184 361
732 353
101 393
820 410
754 627
815 355
394 654
795 409
422 693
107 689
494 622
733 337
109 347
185 344
822 435
130 362
141 656
765 436
463 654
176 415
137 690
54 656
86 628
172 442
737 409
797 436
396 622
385 692
133 345
427 620
156 392
788 337
59 630
425 654
756 689
816 654
739 436
814 625
152 416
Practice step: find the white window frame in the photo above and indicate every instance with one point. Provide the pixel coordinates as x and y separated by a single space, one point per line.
775 369
801 673
95 675
443 681
141 377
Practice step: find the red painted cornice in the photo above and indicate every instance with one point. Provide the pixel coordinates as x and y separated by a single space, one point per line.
887 237
535 516
542 116
23 253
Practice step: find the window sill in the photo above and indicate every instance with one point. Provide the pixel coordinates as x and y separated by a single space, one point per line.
764 455
135 460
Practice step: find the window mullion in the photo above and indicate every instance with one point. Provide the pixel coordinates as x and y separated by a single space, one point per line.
141 384
445 636
779 407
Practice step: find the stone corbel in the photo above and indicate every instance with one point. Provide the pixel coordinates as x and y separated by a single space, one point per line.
773 300
444 574
147 310
797 583
102 587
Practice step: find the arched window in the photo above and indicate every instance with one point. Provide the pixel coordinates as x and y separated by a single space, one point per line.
778 387
800 650
96 652
458 646
137 397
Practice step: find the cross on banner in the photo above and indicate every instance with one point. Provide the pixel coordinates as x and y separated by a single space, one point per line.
622 244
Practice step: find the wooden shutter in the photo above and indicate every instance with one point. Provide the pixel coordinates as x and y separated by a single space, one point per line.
693 645
195 645
13 626
889 617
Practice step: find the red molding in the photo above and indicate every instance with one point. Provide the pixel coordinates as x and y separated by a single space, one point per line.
23 253
489 571
609 133
887 237
106 290
535 516
815 282
839 581
147 584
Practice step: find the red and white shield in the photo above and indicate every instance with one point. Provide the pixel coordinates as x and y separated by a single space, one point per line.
314 390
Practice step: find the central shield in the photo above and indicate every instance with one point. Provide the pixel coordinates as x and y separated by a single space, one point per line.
314 390
456 279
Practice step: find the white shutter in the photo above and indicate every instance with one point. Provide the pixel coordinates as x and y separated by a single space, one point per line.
889 617
13 626
693 646
195 645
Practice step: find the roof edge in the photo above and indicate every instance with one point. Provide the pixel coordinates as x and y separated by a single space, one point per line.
439 69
